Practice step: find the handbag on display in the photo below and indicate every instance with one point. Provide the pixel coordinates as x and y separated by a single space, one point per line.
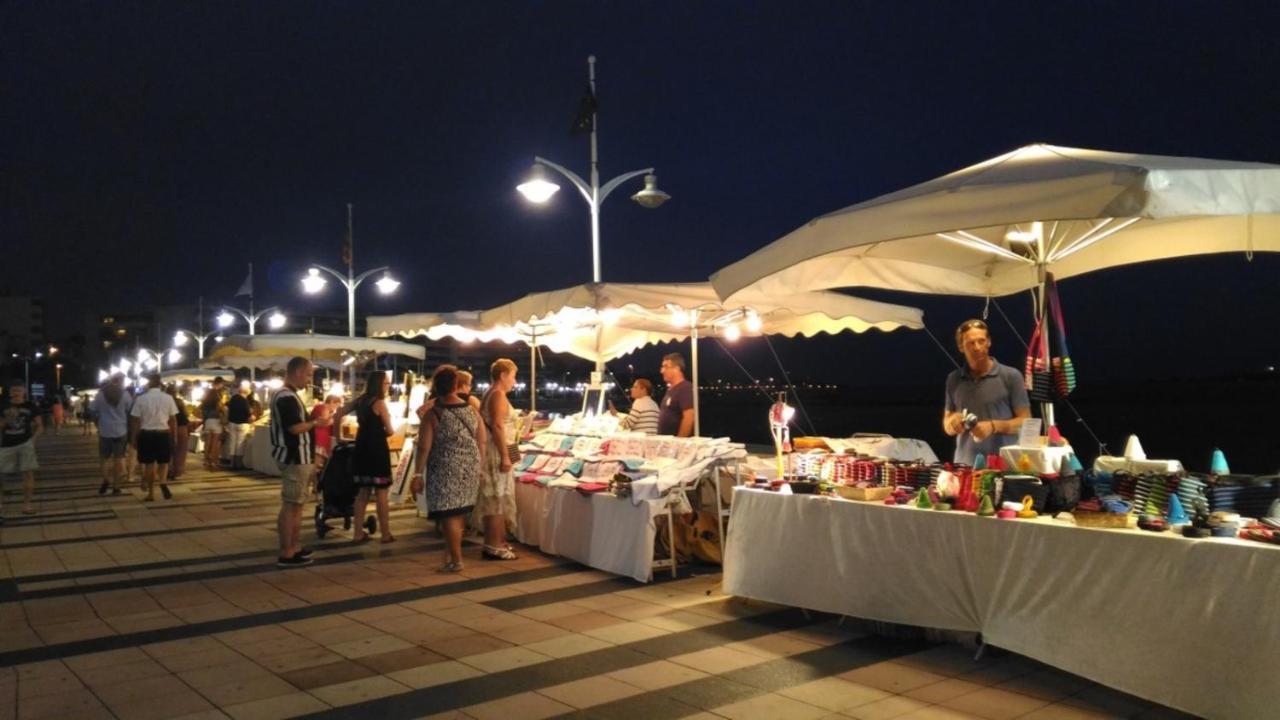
1064 372
1038 373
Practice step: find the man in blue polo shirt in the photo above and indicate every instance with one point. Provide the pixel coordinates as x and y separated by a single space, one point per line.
993 396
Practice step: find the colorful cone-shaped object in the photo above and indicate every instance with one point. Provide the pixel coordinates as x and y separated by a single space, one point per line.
1176 515
1055 437
979 462
1074 463
1133 449
1024 463
1218 465
986 508
922 499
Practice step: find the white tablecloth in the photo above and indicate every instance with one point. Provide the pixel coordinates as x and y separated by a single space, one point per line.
1194 625
598 530
257 452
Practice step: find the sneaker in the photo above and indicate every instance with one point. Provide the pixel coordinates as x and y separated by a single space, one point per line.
298 560
103 490
164 490
305 553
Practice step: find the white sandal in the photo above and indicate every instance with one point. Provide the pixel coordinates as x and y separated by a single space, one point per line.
498 553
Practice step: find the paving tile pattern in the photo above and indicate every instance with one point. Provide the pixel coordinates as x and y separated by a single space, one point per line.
115 608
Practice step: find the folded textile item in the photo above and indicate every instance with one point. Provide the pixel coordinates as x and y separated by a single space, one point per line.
590 488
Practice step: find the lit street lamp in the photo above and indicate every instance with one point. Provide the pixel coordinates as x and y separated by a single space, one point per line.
275 321
314 282
181 336
539 188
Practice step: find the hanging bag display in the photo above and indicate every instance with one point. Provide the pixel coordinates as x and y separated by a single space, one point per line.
1037 374
1064 371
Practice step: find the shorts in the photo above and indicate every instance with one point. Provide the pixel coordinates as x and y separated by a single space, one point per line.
155 446
19 458
237 434
293 483
212 426
112 447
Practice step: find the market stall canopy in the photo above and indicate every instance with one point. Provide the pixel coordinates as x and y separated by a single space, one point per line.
994 228
602 321
267 351
433 326
196 375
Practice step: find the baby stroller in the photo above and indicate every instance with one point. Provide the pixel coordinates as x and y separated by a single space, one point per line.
338 493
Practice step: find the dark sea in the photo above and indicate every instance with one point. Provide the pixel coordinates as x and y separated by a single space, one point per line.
1174 419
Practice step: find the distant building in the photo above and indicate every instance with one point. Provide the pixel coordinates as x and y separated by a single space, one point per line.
21 323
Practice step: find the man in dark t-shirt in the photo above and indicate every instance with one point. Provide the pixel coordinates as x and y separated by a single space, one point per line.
675 415
239 419
20 425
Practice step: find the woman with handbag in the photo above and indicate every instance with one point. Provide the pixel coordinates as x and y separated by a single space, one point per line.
450 443
496 505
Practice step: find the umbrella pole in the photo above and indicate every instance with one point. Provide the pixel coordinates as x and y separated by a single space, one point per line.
533 377
693 352
1046 408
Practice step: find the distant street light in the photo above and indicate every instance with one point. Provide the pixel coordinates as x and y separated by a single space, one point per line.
276 320
314 282
181 336
539 187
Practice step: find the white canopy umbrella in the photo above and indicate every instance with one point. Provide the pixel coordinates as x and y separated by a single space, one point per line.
433 326
602 321
273 352
196 375
997 227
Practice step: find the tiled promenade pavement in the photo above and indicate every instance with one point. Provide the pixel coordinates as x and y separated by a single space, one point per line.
110 607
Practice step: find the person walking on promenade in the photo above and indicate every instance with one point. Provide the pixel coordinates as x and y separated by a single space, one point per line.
182 436
239 425
451 452
153 427
111 406
20 425
371 463
213 411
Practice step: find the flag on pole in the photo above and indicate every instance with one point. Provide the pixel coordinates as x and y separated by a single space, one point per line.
246 287
585 121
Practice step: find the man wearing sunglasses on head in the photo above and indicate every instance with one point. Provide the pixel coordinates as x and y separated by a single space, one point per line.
986 401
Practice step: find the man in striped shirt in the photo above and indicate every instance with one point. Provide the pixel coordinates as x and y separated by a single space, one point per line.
644 411
291 446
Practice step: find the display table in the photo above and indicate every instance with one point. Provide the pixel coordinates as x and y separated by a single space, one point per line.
257 452
598 530
1188 624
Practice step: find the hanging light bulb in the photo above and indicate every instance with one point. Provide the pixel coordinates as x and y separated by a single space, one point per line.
679 318
732 332
754 323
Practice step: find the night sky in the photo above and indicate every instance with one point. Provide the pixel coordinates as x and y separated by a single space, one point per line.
151 150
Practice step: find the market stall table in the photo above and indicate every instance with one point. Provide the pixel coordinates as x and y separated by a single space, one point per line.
599 530
1191 624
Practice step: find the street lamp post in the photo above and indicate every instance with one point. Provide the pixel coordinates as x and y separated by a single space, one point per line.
276 320
180 337
539 188
314 282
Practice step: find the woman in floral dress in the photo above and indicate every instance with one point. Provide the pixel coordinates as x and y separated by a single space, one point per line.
451 440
